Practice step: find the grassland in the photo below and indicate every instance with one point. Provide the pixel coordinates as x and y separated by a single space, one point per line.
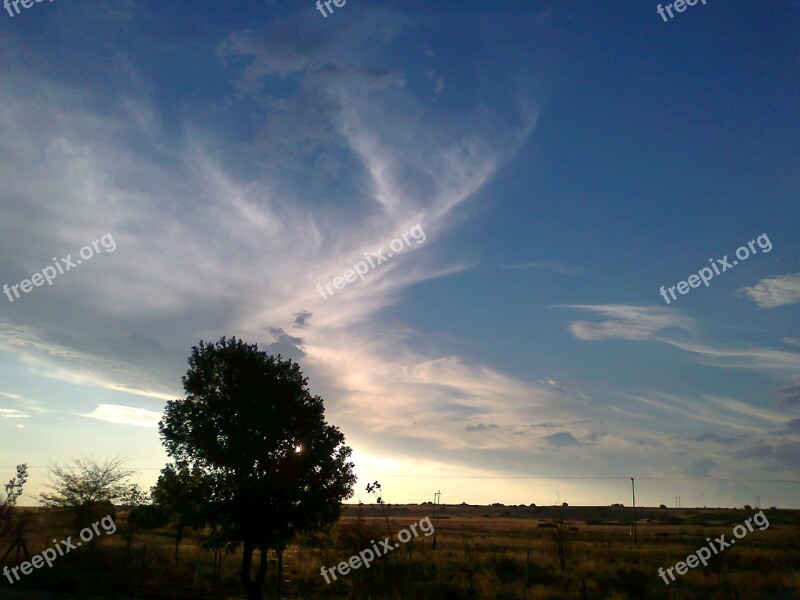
497 552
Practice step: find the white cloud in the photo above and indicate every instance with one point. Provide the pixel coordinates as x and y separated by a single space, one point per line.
750 358
778 291
56 361
626 322
10 413
125 415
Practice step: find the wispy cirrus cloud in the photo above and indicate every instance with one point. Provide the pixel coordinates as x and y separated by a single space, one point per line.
92 367
637 323
125 415
774 292
400 168
747 358
626 322
11 413
711 410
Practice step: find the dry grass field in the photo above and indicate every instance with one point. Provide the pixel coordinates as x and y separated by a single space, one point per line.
497 552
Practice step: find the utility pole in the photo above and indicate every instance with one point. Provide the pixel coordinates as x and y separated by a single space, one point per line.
633 490
758 501
436 499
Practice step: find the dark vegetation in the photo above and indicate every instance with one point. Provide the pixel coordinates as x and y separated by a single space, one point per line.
492 557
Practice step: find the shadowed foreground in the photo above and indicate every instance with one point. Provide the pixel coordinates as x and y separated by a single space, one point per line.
481 552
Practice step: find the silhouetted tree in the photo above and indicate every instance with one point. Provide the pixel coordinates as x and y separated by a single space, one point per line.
181 496
141 518
90 488
13 490
11 522
375 488
272 463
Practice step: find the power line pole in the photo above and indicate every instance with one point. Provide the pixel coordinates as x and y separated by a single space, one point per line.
633 490
436 500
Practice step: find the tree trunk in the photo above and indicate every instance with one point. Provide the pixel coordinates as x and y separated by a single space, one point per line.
244 575
178 538
280 572
255 588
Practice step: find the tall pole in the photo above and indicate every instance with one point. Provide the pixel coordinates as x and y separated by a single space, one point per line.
436 500
633 490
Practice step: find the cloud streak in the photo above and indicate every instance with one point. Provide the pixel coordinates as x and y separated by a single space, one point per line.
777 291
626 322
124 415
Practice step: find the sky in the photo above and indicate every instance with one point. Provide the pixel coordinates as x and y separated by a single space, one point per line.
552 165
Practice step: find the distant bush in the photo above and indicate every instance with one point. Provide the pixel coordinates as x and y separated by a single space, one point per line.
634 583
508 569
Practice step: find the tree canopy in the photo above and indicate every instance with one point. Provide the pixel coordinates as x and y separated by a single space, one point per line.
249 427
88 481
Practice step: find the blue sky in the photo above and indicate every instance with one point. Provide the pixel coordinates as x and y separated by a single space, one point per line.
563 162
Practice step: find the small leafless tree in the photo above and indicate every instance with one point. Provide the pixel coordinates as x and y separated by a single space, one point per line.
11 522
13 490
375 488
560 539
88 488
